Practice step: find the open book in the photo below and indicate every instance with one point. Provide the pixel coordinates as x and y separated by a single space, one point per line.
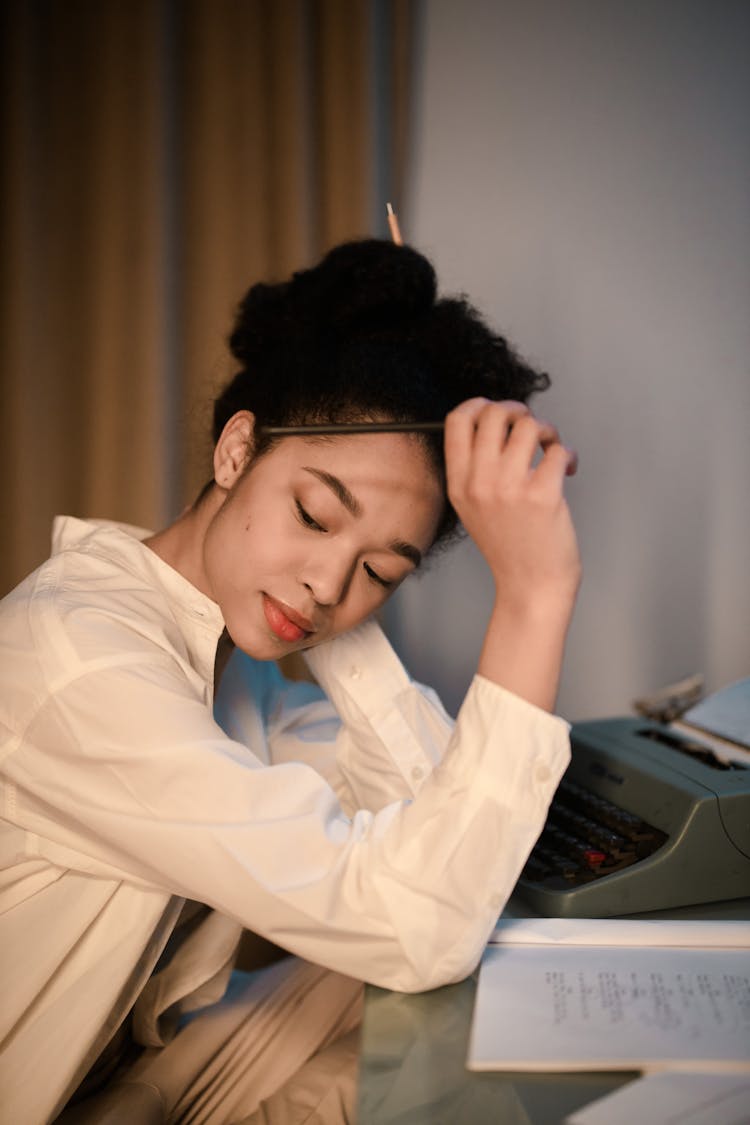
557 994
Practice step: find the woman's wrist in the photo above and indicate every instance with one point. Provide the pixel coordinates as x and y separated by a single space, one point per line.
524 644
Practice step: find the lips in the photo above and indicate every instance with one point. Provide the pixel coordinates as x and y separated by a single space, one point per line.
284 622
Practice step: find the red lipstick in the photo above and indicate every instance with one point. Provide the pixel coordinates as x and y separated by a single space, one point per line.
284 622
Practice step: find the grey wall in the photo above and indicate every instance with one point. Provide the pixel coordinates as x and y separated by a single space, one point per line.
582 170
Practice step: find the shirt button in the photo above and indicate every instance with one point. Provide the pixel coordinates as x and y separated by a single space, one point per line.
417 773
542 773
355 672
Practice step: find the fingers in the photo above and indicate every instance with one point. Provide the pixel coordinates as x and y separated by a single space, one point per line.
475 431
479 432
527 436
571 465
558 462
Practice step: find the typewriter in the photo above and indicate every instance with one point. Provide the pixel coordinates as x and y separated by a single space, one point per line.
645 818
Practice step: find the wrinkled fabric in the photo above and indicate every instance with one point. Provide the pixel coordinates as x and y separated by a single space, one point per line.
353 824
281 1047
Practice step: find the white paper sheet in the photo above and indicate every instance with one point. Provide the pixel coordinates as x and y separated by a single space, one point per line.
672 1099
726 713
719 934
575 1007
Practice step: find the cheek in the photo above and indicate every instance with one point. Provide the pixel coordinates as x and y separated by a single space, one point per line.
363 600
263 550
226 556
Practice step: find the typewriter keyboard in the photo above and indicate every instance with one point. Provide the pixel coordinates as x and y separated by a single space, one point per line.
587 837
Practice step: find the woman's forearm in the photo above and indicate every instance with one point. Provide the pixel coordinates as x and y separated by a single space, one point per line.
523 649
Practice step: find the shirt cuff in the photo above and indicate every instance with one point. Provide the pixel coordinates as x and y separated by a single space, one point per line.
522 706
519 745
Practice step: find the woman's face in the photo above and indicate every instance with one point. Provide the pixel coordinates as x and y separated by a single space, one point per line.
314 536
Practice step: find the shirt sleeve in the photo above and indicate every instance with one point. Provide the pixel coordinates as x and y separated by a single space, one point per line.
124 772
393 733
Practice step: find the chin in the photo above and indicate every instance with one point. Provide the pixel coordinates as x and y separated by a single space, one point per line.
252 644
261 647
261 652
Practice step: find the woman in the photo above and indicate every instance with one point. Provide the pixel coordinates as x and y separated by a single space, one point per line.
350 823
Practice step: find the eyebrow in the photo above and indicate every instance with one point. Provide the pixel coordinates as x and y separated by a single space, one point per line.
339 489
407 551
352 505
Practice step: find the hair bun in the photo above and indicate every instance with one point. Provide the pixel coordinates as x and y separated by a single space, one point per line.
360 284
357 288
264 318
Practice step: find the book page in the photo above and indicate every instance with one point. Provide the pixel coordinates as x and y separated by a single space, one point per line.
563 1007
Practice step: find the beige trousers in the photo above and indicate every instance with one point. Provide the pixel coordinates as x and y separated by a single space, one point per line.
280 1048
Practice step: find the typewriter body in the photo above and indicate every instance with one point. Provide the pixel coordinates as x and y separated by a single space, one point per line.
645 818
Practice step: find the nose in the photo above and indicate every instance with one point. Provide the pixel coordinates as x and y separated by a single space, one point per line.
328 575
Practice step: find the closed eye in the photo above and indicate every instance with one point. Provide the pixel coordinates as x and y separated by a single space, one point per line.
306 519
375 577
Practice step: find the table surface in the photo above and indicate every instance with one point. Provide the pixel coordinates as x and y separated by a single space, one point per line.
413 1059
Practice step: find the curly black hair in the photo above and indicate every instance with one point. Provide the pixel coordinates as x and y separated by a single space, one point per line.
364 335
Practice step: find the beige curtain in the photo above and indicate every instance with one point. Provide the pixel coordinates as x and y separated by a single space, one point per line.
158 157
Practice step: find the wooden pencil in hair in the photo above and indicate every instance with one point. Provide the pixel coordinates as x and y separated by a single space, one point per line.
315 429
393 225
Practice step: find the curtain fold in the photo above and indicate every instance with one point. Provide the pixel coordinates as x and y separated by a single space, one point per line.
158 157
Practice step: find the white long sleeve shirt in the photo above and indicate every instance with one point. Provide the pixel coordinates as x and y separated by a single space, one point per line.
363 831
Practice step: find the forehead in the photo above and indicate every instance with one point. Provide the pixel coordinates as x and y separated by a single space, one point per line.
369 458
383 473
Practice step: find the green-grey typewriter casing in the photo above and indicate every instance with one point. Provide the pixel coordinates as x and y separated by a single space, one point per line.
704 811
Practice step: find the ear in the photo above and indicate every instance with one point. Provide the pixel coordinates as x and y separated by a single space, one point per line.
234 449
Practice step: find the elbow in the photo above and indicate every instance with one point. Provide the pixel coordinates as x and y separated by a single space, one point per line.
423 974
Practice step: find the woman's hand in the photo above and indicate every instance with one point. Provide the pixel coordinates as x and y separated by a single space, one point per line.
506 472
513 508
